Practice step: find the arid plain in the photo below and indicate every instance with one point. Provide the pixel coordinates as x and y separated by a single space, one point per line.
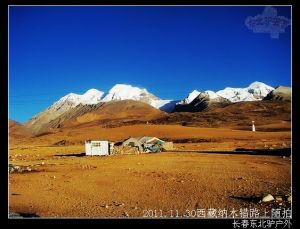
65 183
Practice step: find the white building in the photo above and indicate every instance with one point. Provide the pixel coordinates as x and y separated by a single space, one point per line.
96 148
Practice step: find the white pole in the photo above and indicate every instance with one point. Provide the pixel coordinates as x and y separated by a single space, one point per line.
253 126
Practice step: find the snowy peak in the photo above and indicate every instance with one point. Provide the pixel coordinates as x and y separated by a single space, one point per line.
92 96
257 84
210 94
117 92
203 102
259 90
125 91
70 99
92 92
255 91
194 94
190 97
236 94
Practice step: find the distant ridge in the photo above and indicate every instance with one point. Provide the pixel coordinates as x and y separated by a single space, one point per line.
280 93
73 105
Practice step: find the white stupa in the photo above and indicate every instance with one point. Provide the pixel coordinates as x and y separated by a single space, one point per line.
253 126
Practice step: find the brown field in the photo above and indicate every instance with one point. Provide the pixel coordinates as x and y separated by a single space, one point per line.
64 183
237 138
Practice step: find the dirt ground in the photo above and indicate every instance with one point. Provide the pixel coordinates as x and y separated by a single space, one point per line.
219 137
65 183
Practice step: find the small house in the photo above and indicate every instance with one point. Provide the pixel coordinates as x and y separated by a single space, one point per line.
148 144
98 148
133 142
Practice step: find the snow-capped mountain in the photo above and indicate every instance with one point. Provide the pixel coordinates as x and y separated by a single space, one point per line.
191 96
64 104
70 100
259 90
68 105
124 91
92 96
117 92
255 91
163 104
202 102
236 94
166 105
210 95
194 102
194 94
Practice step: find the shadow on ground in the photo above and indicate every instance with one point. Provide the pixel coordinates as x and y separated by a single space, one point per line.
250 199
265 152
272 152
70 155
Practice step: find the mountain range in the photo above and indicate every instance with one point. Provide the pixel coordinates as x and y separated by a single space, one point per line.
128 103
255 91
202 101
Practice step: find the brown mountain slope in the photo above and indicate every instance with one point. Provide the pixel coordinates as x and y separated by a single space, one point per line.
271 118
18 132
202 103
280 93
115 113
270 115
110 113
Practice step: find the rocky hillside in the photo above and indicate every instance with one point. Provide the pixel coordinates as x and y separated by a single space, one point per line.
280 93
18 131
113 112
203 102
270 115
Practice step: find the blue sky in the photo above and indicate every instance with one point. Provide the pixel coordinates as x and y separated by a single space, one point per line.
168 50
